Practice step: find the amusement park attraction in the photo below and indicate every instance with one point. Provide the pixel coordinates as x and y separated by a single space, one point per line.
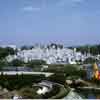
96 72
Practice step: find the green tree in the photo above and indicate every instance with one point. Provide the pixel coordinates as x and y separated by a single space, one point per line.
16 62
71 69
58 78
3 63
6 51
28 93
34 63
26 47
89 60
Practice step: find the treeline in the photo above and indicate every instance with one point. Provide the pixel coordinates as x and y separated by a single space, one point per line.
34 64
6 51
92 49
52 45
12 82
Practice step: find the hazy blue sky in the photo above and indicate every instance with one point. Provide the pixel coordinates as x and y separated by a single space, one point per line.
71 22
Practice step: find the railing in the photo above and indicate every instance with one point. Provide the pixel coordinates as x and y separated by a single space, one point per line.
47 74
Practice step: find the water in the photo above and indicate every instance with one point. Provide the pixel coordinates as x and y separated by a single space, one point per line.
89 94
73 95
77 94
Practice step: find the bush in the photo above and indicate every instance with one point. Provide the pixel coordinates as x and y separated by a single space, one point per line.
61 93
71 69
89 60
6 51
56 68
16 62
3 63
57 77
36 63
27 93
18 81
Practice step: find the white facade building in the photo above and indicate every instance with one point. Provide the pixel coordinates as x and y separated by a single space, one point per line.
51 55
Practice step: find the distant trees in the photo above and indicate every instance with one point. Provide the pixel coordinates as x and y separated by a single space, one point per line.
6 51
3 63
70 69
74 70
16 62
55 45
34 63
93 49
26 47
83 49
89 60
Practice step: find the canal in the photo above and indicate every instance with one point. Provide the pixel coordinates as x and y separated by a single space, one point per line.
76 94
89 94
86 94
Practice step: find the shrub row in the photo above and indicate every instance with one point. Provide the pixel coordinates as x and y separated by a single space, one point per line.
19 81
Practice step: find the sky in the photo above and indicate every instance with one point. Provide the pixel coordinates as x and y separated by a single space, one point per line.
69 22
